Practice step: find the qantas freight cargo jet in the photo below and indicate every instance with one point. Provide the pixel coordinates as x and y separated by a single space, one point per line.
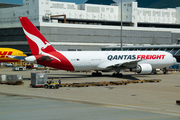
142 62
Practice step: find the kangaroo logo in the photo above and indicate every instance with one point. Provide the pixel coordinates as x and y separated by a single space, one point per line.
43 48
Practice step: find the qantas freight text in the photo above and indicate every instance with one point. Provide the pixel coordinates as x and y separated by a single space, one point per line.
134 57
150 56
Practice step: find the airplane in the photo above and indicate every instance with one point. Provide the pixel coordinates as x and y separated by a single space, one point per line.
43 53
4 52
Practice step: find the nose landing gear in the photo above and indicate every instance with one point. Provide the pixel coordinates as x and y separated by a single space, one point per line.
165 71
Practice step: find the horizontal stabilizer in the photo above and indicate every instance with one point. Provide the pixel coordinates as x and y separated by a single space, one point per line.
16 57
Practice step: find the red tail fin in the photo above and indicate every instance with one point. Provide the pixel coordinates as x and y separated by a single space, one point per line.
37 43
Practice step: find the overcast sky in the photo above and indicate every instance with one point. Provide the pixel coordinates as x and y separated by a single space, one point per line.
74 1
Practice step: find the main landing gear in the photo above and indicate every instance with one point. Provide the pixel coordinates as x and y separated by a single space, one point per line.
117 74
96 73
154 71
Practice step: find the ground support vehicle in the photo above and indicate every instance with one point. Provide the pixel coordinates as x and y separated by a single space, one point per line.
52 85
19 68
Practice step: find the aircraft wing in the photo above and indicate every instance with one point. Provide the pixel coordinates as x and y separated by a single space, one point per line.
111 64
130 64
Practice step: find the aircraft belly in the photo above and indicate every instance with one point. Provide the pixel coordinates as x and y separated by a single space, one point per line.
83 66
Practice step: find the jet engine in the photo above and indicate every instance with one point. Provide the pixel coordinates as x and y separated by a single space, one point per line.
142 69
31 59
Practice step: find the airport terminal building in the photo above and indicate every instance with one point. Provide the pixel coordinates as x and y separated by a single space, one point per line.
70 26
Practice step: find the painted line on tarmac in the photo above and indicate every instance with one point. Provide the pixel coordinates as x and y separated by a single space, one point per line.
103 104
153 110
152 118
59 98
139 104
45 109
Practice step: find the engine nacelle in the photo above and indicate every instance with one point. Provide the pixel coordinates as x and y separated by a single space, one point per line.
31 59
143 69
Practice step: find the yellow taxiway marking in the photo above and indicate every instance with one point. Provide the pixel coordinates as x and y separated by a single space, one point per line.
152 118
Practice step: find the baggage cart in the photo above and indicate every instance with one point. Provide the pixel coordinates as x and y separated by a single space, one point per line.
38 79
3 79
14 79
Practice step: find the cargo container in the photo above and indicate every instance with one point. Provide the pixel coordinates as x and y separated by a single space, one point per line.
38 79
14 79
3 79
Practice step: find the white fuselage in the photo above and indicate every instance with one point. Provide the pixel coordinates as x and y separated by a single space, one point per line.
44 54
95 60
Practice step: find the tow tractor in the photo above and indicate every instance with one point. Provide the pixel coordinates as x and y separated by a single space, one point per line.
52 84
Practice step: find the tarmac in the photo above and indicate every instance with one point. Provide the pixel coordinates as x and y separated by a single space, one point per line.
140 101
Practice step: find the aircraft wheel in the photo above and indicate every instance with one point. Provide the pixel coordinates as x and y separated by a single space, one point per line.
96 74
154 72
20 69
120 75
46 86
99 74
114 74
117 74
165 71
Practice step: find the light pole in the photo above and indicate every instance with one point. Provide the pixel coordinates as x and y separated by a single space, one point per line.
121 26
